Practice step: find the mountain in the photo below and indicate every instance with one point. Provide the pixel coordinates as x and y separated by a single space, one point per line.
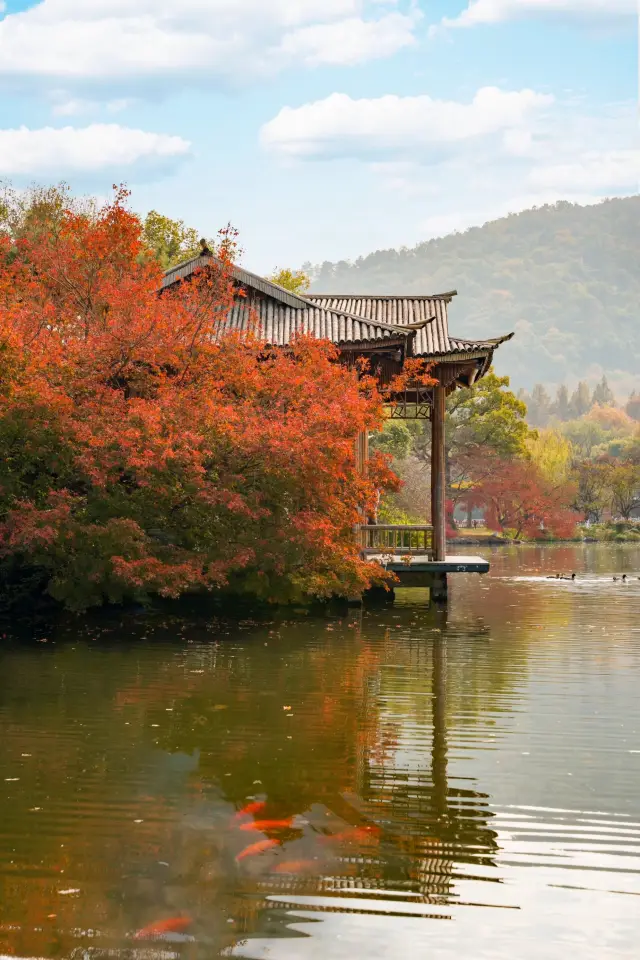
565 278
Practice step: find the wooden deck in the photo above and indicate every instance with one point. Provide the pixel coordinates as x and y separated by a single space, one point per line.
409 552
421 571
417 571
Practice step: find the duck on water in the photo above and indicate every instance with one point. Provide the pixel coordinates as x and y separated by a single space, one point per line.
559 576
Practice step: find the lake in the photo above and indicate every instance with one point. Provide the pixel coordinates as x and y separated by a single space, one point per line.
397 782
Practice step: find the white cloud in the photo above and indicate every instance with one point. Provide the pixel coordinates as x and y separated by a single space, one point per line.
96 149
548 159
396 127
72 107
95 42
350 41
497 11
612 171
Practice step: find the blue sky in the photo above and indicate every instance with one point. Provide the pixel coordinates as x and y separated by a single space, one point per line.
323 129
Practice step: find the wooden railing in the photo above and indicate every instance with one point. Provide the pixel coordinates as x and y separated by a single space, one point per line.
394 538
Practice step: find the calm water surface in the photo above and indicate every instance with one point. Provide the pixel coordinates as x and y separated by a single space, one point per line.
453 784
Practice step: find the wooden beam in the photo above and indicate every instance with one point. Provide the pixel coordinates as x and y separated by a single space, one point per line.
438 479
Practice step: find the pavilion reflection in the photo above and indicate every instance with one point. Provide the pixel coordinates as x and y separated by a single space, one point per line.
437 827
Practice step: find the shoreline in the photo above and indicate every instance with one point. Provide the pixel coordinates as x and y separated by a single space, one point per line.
496 541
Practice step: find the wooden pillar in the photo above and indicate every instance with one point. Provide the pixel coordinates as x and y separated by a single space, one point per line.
362 452
438 479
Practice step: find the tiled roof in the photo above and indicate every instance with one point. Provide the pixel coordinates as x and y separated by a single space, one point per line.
282 314
342 318
429 312
279 323
427 315
245 277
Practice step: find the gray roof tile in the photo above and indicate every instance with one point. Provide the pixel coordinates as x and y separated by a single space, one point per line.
341 318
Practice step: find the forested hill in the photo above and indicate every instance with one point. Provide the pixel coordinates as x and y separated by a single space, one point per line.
565 278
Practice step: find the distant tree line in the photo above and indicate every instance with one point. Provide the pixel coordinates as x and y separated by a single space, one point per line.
542 408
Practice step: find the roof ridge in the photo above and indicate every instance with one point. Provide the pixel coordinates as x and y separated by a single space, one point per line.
278 293
242 275
449 295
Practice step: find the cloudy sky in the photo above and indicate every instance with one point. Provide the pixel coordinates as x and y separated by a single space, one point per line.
323 129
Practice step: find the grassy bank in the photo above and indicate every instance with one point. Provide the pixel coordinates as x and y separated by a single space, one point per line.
623 531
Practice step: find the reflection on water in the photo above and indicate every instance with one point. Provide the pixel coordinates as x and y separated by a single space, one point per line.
332 788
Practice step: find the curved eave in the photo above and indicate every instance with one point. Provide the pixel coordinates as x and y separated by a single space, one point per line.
480 351
467 349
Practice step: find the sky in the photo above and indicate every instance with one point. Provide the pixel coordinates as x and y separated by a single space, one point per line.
323 129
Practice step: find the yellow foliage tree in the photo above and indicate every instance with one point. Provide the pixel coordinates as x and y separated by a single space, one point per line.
294 280
552 454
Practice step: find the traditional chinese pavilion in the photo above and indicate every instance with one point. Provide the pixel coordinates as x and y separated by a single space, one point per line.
385 330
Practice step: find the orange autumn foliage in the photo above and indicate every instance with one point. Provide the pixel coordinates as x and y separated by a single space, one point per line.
517 498
146 450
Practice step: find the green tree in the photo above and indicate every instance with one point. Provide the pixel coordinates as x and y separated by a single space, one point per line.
624 482
169 240
483 423
294 280
561 407
585 435
38 212
603 395
487 416
581 401
592 489
395 439
539 407
633 406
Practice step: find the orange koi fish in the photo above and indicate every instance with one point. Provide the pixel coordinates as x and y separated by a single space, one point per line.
256 848
162 927
295 866
368 834
267 825
255 807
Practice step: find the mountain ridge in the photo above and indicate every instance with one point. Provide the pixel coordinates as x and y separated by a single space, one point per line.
564 278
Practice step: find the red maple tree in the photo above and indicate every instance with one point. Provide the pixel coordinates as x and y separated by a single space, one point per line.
145 449
517 498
